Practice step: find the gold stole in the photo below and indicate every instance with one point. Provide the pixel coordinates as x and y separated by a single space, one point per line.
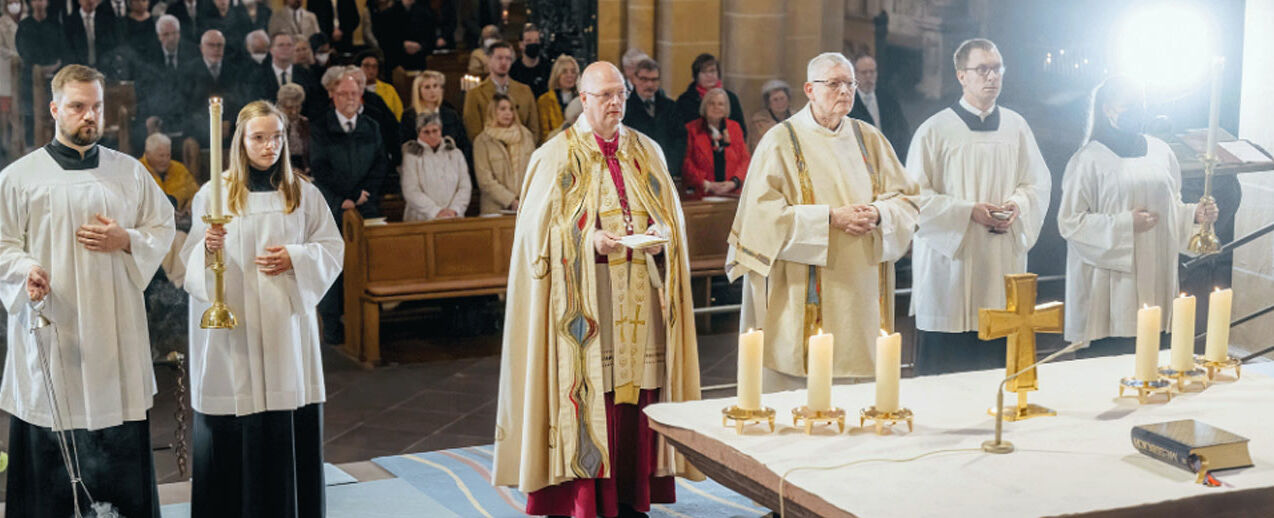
629 286
813 283
886 293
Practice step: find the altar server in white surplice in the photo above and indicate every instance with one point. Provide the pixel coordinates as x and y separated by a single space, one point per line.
1124 223
82 229
257 390
984 190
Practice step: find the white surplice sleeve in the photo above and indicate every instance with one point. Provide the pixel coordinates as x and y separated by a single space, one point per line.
151 236
943 220
15 262
1031 194
1099 239
198 277
1184 211
807 238
319 259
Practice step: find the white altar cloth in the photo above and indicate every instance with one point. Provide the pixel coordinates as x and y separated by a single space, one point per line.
1079 461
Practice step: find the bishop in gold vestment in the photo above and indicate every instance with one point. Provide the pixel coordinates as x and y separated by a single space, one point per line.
825 203
595 331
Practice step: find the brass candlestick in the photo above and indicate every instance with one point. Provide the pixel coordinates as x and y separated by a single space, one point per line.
1145 389
1205 242
812 417
1185 378
1214 368
882 418
219 315
743 416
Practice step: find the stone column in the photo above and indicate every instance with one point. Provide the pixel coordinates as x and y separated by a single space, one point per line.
610 29
683 30
752 48
641 27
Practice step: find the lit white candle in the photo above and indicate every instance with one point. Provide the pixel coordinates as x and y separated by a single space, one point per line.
1182 333
1218 338
888 371
1214 106
751 347
819 372
1149 323
214 154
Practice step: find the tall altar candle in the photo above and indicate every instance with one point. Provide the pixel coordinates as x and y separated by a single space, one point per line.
751 346
1214 106
1182 333
1149 323
214 154
888 370
819 372
1218 338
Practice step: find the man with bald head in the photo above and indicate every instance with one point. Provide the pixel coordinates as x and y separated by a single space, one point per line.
212 75
604 323
823 214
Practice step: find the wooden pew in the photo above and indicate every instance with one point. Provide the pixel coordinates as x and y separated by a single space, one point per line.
397 262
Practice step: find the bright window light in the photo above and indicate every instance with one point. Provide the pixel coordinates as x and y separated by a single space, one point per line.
1168 45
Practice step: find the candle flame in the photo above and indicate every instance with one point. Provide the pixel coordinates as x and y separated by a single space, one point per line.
883 333
1216 289
820 330
1183 294
1145 306
750 330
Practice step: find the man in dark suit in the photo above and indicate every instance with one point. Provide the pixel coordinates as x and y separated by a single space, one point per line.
654 114
279 70
188 12
348 164
99 20
160 70
338 24
878 107
210 76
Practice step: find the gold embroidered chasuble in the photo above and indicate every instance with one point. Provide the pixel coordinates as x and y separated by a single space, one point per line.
576 328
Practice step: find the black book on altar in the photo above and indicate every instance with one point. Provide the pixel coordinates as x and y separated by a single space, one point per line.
1191 445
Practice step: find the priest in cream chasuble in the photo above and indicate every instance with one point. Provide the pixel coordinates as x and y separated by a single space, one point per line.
825 202
975 162
594 330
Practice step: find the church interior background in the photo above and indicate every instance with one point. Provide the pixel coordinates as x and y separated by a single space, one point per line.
435 387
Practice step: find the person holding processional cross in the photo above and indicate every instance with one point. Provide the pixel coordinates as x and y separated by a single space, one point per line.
984 190
824 212
601 329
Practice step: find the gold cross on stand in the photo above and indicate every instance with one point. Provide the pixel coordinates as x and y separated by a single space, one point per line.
1019 321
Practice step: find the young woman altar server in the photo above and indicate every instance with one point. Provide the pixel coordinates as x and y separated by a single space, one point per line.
257 389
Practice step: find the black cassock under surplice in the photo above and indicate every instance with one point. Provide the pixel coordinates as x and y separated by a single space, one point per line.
115 464
268 464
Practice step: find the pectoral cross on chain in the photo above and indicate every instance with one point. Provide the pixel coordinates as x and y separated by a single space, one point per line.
1019 321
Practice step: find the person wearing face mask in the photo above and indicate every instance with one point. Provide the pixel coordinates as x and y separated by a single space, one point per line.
257 43
532 70
257 390
322 49
1124 222
479 57
984 191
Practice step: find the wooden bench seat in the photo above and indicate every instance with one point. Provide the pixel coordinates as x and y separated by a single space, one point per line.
396 262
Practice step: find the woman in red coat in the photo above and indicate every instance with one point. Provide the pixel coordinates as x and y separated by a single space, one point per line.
716 153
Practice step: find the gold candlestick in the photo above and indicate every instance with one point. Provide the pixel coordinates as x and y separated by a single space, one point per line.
1146 389
812 417
743 416
1185 378
882 418
1205 241
1214 368
218 316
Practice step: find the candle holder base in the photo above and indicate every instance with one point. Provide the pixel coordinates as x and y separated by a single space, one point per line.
1146 389
997 447
218 316
881 418
812 417
1023 412
742 417
1214 368
1184 379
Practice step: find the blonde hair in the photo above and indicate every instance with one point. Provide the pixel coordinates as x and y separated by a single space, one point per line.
559 67
494 107
74 74
289 181
707 96
417 103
